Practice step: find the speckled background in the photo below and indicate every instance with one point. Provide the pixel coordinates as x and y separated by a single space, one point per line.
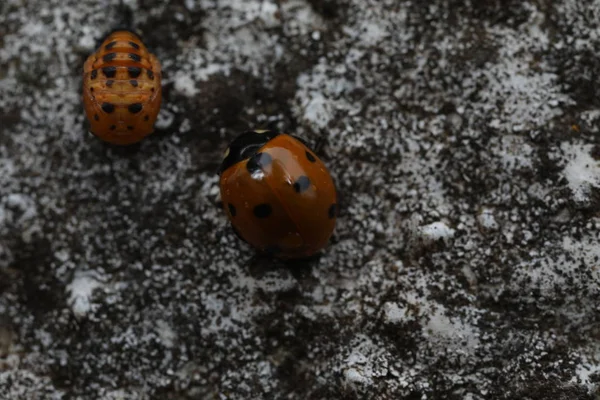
463 136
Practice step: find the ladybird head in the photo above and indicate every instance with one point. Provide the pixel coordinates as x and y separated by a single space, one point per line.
245 146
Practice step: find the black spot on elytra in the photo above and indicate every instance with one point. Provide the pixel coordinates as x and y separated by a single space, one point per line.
94 74
109 72
134 45
258 162
110 45
109 83
134 72
109 57
108 107
302 184
310 157
91 89
262 210
232 210
96 117
130 127
146 117
150 74
134 83
135 108
113 127
332 210
135 57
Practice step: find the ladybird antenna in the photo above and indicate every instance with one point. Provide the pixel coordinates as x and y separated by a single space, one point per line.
272 125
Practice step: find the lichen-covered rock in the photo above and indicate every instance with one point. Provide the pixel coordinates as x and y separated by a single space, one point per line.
463 139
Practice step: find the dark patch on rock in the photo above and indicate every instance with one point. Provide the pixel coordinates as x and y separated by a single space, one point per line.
414 102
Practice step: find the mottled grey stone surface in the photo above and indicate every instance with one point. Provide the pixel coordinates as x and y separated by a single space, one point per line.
463 136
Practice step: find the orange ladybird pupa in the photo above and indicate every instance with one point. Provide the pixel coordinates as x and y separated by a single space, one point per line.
122 89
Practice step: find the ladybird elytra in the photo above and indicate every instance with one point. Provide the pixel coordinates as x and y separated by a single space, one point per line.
120 102
277 194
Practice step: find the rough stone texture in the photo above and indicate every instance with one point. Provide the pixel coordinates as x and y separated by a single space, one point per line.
463 136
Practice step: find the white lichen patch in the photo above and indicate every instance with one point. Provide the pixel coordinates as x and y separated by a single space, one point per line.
365 363
22 384
581 170
516 154
487 219
436 231
452 331
185 85
527 91
80 291
21 211
570 261
585 372
166 333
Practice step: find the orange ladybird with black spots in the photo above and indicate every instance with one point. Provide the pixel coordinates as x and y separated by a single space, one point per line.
277 194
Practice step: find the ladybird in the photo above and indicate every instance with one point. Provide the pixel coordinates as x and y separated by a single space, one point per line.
121 89
277 194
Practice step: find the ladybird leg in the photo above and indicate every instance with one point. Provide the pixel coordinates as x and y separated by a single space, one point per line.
320 144
340 201
90 132
301 140
237 233
272 126
300 268
260 264
119 151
